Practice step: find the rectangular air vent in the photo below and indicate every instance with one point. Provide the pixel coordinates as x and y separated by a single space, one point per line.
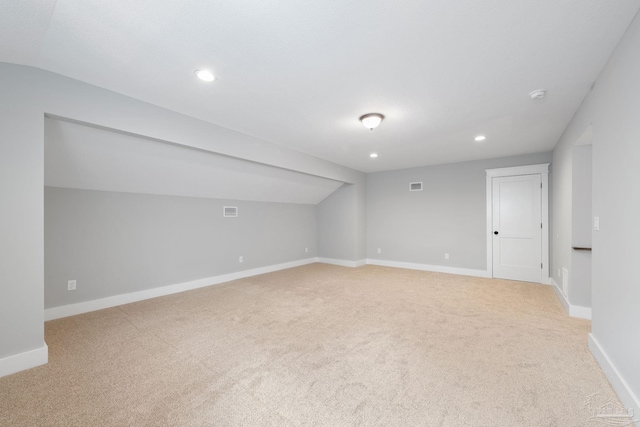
230 211
415 186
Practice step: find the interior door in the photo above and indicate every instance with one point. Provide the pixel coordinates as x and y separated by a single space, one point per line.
517 227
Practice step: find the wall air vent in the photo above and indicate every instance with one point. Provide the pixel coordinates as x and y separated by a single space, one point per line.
415 186
230 211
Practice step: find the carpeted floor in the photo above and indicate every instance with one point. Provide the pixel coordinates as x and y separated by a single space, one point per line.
318 345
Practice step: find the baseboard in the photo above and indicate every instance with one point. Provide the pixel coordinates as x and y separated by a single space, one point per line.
427 267
577 311
343 262
99 304
561 297
580 312
27 360
620 386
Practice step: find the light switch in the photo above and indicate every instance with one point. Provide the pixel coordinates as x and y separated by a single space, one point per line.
596 223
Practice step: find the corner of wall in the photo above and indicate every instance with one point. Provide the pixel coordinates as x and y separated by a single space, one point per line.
25 360
619 384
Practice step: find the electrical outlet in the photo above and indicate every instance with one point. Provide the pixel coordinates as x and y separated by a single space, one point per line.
241 259
446 256
71 285
596 223
306 250
379 250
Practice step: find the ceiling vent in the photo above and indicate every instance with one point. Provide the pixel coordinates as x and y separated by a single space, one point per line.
415 186
230 211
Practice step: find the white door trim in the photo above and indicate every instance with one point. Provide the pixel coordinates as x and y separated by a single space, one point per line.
543 170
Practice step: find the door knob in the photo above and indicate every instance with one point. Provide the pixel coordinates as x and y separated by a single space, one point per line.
495 232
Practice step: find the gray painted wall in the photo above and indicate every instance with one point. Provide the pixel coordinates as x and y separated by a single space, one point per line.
88 158
341 223
21 263
612 109
447 216
581 201
580 279
116 243
560 207
581 197
27 95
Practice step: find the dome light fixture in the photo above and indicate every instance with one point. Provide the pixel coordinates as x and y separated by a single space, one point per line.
538 94
371 120
205 75
480 138
373 155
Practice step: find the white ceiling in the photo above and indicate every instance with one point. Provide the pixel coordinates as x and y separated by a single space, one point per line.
301 73
84 157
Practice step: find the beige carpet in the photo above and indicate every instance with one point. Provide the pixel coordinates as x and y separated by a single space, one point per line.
318 345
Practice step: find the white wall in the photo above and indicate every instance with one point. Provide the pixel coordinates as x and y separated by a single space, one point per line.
447 216
612 109
27 95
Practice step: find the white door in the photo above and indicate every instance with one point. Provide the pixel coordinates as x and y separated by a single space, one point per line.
517 227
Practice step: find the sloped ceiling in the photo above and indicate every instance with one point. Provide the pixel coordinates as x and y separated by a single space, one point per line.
300 73
84 157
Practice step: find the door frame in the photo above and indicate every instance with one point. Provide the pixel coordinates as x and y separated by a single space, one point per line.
543 171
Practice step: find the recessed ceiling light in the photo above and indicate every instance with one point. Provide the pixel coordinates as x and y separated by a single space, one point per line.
205 75
480 138
538 94
373 155
371 120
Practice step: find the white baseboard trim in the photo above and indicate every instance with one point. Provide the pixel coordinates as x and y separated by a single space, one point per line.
561 297
580 312
99 304
620 386
427 267
343 262
577 311
27 360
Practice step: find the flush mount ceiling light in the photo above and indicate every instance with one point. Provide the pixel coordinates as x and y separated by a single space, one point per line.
205 75
373 155
538 94
480 138
372 120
